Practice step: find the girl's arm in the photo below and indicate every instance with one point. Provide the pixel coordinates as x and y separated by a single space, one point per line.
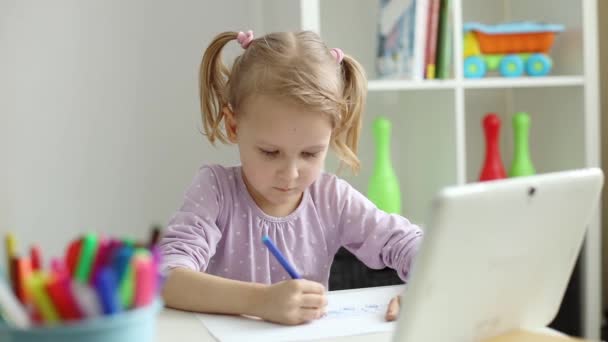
288 302
377 239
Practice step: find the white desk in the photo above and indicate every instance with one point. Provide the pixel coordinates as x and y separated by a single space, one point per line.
177 326
180 326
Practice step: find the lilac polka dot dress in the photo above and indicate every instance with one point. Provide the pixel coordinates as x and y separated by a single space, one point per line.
219 230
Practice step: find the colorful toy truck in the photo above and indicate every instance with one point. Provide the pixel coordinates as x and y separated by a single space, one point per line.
511 48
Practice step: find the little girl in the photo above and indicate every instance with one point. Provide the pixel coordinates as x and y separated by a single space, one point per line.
286 100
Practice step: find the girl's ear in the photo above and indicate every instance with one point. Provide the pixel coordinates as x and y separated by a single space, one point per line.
230 123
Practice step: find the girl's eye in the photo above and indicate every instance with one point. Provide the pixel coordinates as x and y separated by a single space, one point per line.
309 154
269 153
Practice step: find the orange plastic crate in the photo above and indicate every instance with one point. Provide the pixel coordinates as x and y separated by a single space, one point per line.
515 42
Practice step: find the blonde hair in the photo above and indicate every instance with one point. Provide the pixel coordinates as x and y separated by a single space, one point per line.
296 66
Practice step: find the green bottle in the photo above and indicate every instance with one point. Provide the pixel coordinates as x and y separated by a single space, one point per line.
522 163
383 189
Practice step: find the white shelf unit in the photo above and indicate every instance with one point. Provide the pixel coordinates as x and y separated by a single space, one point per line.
437 138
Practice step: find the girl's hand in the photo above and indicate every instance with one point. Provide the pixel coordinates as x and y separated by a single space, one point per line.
392 312
293 302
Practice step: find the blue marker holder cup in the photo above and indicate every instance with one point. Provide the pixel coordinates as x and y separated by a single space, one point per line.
133 325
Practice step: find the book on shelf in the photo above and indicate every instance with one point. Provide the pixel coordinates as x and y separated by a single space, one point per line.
444 42
432 29
414 39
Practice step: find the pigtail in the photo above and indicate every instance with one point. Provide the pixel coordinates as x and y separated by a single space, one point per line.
349 127
213 79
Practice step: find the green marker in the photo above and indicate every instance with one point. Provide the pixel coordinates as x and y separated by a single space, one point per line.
522 163
126 288
129 242
86 258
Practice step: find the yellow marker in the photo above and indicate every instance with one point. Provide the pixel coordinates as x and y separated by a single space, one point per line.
11 252
36 286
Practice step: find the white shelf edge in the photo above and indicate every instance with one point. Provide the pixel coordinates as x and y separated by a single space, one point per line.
491 82
377 85
524 82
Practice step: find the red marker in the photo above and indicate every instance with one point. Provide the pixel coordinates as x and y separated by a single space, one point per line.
36 258
59 290
72 254
102 257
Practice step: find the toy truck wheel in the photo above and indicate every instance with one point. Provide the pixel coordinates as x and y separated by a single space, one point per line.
474 67
511 66
538 65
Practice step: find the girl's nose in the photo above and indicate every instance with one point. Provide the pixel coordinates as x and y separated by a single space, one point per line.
289 171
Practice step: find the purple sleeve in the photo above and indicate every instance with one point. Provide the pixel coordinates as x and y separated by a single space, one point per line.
192 233
377 239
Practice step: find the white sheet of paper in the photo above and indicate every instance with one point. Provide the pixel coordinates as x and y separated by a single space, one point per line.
349 312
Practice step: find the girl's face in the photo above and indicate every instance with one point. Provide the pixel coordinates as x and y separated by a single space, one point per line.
282 147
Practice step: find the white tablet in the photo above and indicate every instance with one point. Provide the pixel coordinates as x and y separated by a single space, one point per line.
497 256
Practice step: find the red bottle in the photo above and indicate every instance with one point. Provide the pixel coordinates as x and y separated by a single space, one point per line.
492 167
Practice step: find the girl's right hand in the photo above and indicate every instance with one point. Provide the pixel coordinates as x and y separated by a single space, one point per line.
293 302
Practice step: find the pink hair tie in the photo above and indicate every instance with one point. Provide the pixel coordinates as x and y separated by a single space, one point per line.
245 38
338 54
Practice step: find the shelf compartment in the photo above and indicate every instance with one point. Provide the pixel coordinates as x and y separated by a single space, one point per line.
556 126
566 53
423 142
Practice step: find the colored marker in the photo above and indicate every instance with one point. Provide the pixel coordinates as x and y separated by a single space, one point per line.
145 280
121 264
121 260
102 258
280 258
58 266
129 242
86 258
22 270
156 256
12 310
87 300
156 260
36 258
10 246
127 287
154 236
106 285
59 290
36 286
71 255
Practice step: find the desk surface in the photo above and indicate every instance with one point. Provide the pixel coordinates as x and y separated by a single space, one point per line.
175 325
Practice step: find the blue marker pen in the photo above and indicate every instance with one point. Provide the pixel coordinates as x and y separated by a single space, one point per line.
280 258
107 291
121 261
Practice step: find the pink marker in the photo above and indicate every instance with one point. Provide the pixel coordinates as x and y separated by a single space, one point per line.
58 266
145 280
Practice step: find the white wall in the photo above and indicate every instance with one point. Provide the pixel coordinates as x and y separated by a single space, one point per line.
100 124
